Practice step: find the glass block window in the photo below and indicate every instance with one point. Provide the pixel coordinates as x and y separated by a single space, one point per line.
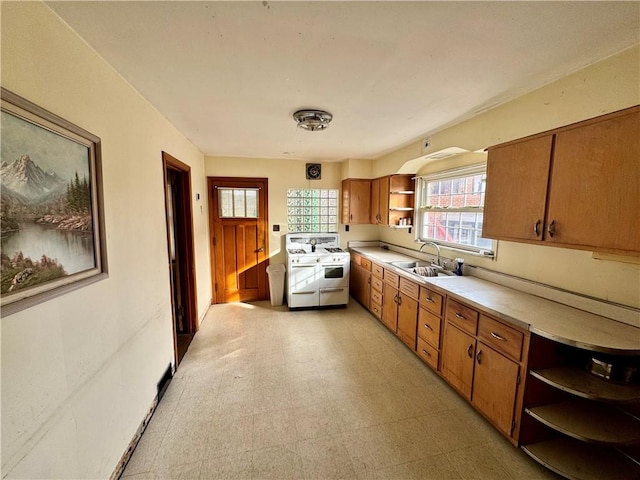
238 202
312 210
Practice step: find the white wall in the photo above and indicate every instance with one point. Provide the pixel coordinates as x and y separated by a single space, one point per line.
606 86
79 372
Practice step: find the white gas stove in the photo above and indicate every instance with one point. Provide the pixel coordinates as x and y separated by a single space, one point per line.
318 270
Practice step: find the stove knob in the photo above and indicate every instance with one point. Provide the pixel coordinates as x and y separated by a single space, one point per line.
317 259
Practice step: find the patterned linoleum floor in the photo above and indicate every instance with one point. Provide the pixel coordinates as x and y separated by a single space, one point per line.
322 394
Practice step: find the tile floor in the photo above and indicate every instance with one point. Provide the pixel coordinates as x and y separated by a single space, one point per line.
264 393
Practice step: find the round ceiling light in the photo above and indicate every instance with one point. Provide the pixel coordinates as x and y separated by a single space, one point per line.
312 120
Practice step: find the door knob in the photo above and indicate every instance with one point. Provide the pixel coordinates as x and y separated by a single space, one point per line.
261 249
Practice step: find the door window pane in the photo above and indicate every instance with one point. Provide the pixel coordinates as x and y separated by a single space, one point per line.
238 202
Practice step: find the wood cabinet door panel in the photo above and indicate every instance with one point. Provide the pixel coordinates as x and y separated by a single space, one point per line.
515 198
356 201
495 385
408 319
431 300
505 339
593 194
377 270
374 217
464 317
458 354
427 353
390 307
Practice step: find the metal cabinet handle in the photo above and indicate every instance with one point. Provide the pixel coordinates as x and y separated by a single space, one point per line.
399 300
261 249
535 228
426 325
395 299
551 229
426 353
499 337
459 315
470 350
478 356
430 300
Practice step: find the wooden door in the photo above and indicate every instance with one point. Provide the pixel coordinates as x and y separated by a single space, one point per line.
495 384
360 284
594 196
407 320
390 307
458 352
383 204
239 241
356 201
374 218
515 199
181 257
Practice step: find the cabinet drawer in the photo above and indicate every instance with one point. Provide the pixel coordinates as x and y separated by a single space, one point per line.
464 317
376 284
503 338
376 308
377 270
391 278
376 297
365 263
431 300
429 327
427 353
409 288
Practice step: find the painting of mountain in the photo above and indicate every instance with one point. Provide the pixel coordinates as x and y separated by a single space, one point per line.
46 218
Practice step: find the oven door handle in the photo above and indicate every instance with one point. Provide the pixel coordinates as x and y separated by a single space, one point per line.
310 292
323 290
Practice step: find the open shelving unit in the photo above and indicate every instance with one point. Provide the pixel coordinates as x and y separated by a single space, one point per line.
575 423
401 200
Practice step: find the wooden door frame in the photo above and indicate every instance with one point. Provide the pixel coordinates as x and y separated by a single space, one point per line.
184 241
211 181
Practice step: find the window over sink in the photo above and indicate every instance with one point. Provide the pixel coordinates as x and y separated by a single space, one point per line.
449 209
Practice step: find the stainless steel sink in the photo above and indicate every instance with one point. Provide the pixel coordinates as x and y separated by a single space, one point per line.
413 268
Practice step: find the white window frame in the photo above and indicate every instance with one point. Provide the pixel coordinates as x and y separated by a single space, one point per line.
421 208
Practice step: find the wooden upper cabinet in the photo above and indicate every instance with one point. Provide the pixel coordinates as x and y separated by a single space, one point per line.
356 201
573 187
380 201
515 198
594 192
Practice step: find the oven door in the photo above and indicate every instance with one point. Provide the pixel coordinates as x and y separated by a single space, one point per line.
334 296
334 275
303 288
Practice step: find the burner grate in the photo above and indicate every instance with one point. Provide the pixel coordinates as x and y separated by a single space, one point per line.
296 251
334 250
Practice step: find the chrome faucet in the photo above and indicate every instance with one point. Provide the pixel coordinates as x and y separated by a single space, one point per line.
437 249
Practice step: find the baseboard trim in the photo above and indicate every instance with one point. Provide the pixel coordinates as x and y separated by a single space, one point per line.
134 442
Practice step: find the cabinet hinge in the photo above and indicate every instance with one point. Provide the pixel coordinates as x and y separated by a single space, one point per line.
513 427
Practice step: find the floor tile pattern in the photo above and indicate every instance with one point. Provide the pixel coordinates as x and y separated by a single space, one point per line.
264 393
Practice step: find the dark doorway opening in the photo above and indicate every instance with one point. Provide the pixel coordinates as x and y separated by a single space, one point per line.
180 249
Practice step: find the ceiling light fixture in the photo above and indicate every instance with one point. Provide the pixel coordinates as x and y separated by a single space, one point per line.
312 120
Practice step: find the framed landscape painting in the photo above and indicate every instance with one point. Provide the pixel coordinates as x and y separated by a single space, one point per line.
51 224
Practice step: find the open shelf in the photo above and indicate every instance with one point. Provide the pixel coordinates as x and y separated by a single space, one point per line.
589 421
583 461
583 384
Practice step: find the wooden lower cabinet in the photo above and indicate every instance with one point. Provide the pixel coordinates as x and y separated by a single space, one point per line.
458 353
483 359
390 307
495 385
360 280
407 320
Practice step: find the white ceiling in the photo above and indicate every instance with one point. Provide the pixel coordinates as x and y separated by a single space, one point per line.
229 75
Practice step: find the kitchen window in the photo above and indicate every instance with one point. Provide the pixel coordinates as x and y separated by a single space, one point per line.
449 209
312 210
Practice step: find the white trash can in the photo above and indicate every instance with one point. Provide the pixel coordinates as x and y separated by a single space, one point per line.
276 283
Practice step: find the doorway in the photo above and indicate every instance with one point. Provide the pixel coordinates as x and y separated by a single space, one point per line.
180 249
239 240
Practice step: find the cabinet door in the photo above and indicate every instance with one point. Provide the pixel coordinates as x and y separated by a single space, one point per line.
356 200
390 307
516 193
383 204
458 353
374 217
593 194
495 384
407 320
359 284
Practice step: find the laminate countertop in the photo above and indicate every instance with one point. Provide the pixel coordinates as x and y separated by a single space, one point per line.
540 316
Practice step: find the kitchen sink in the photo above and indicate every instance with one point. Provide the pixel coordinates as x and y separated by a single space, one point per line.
414 268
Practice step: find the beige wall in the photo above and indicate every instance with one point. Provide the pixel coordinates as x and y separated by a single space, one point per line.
284 174
79 372
601 88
